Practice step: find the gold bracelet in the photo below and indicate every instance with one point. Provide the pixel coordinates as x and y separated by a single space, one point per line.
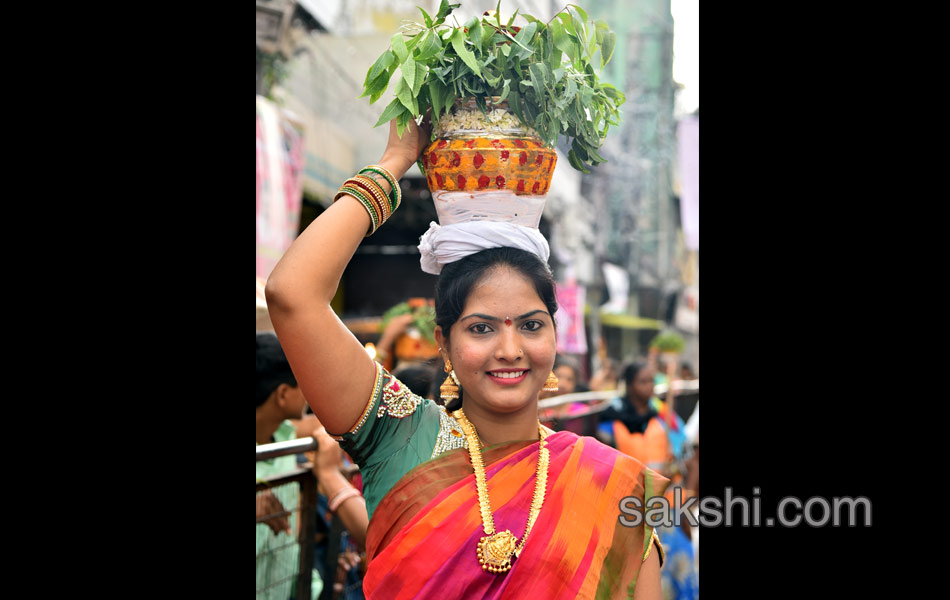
393 182
373 187
361 197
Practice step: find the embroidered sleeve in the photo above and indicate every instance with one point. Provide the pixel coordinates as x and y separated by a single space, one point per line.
389 421
371 402
397 400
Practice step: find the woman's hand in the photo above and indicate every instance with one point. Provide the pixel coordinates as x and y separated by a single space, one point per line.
327 460
402 153
395 328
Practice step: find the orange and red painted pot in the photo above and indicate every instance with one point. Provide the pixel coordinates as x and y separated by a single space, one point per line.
522 165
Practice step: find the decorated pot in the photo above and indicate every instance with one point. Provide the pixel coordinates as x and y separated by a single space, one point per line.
413 346
487 167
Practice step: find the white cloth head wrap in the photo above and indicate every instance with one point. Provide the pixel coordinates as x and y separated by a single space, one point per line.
443 244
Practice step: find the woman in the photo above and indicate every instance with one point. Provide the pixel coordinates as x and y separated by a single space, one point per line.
472 500
565 417
646 429
643 426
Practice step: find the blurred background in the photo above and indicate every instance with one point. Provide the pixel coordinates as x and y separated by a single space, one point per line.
624 238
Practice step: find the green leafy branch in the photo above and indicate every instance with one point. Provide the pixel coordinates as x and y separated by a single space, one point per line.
423 318
668 341
547 72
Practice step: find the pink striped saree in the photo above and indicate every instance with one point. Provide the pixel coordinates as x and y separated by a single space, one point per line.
423 535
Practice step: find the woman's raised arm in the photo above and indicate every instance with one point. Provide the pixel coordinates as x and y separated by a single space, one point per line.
331 366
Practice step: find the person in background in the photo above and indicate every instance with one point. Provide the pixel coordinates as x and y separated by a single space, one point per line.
279 399
680 573
568 375
418 376
339 496
402 341
647 429
385 347
644 427
569 379
658 366
607 377
686 371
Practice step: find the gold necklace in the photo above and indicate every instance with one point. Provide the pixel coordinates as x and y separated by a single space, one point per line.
495 550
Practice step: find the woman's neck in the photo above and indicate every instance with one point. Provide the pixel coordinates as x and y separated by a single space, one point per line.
496 428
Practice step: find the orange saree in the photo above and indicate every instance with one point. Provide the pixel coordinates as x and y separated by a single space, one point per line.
422 538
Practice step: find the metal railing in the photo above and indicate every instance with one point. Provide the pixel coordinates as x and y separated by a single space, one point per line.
685 398
306 513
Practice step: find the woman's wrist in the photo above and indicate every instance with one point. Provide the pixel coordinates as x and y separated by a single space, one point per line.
342 496
332 480
395 165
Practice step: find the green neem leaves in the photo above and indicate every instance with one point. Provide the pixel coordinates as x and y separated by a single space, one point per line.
458 43
436 91
389 113
377 78
426 16
522 39
382 63
607 48
444 9
429 47
563 40
409 73
546 71
404 95
475 33
399 47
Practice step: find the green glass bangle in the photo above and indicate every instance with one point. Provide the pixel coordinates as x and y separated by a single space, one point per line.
374 216
395 190
372 187
361 197
370 206
393 196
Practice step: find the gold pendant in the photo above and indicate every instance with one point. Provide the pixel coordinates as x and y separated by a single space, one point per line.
495 551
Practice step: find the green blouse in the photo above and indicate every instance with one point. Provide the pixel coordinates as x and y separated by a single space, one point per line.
397 432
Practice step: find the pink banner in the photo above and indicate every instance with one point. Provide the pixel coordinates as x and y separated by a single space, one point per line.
571 337
280 163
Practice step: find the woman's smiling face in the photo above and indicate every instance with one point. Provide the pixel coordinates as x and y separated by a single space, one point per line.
503 345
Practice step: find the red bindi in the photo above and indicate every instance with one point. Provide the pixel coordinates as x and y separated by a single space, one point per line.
507 321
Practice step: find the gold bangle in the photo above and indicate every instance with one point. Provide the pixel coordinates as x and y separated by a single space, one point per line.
368 205
360 196
372 198
393 182
374 188
378 179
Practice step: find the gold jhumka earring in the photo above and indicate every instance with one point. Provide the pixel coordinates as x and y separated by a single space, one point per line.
550 384
449 390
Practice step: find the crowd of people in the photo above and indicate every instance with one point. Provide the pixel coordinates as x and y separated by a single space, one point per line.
463 489
637 423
